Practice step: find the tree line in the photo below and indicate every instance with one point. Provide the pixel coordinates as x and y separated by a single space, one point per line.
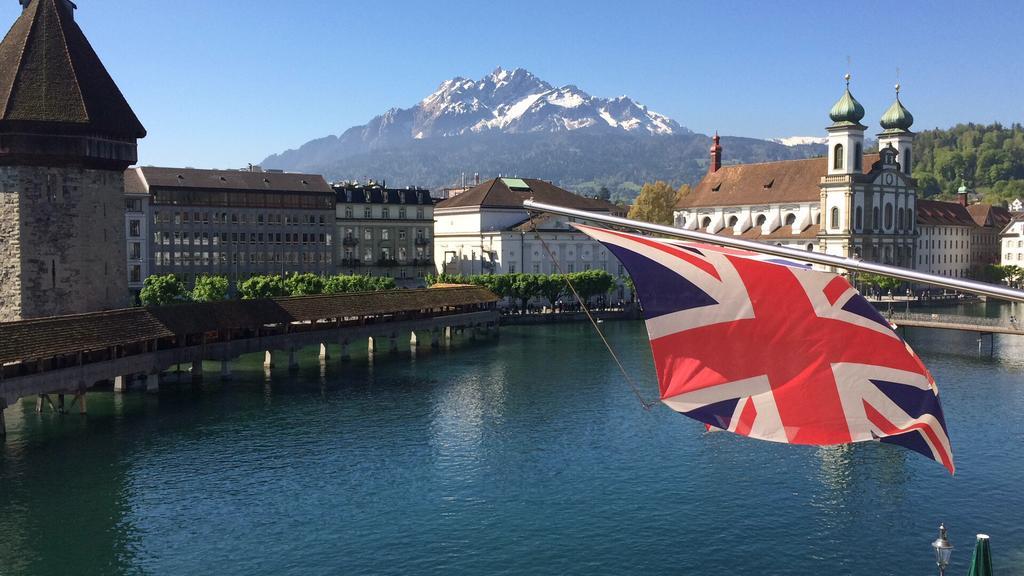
164 289
988 158
522 287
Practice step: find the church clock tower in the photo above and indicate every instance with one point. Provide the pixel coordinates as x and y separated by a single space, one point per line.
66 136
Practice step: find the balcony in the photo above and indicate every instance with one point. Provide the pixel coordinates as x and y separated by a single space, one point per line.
387 262
351 262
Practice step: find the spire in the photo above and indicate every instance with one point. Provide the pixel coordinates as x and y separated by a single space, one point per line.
716 155
897 118
50 75
847 111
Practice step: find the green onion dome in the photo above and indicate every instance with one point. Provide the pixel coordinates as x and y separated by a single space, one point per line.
897 117
847 110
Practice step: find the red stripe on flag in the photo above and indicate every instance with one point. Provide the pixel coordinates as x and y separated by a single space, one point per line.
836 288
747 417
891 429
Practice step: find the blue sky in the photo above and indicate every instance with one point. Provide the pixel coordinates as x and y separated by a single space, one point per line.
225 82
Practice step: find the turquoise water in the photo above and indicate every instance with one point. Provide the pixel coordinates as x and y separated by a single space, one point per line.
523 455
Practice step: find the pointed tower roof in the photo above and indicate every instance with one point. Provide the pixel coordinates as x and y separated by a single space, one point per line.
49 74
896 119
847 111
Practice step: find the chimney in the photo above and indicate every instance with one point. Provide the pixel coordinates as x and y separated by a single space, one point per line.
716 155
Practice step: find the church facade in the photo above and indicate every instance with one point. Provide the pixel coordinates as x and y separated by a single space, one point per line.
848 203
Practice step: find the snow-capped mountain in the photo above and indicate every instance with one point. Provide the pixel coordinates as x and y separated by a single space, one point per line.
801 140
516 101
511 122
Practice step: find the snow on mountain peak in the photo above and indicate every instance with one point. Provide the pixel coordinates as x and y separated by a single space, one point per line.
516 101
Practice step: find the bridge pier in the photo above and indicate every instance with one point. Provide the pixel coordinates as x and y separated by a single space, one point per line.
448 333
60 404
370 341
293 364
153 382
197 369
39 403
324 355
80 400
121 383
225 369
413 341
268 360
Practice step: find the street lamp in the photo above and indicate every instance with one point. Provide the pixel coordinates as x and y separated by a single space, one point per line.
943 549
910 295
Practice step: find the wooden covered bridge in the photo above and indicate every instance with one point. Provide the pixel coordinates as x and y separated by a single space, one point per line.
70 354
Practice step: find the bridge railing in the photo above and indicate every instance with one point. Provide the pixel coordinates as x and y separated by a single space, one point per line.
952 319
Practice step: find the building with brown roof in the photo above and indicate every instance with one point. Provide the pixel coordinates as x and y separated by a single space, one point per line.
486 230
847 203
67 135
236 223
989 221
944 244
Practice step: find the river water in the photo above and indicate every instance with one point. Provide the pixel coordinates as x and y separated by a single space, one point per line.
522 455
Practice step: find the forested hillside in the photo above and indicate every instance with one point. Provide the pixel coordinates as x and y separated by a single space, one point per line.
989 158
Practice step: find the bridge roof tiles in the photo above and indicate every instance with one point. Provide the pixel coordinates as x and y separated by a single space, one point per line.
66 335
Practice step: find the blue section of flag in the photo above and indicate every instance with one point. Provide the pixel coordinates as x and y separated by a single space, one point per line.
861 307
661 291
718 414
912 400
913 440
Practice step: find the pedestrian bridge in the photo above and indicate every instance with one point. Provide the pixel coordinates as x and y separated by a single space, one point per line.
955 322
70 354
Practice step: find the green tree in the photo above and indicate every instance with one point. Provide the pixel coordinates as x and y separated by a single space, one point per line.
210 288
604 194
656 203
525 287
590 283
258 287
161 290
303 284
551 287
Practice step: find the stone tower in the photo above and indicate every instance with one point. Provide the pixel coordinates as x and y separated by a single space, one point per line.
66 136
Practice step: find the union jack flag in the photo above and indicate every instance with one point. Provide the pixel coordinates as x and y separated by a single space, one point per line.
774 350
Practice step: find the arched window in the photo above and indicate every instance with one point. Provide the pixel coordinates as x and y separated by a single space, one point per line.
858 157
790 219
732 221
760 220
901 219
874 218
906 161
835 218
888 216
705 222
837 157
810 247
858 218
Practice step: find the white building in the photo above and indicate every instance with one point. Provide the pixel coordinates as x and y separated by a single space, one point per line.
1012 242
847 204
945 244
486 230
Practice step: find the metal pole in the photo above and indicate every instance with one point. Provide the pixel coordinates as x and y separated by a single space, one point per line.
979 288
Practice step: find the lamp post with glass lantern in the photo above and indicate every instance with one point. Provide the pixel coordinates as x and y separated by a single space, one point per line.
943 549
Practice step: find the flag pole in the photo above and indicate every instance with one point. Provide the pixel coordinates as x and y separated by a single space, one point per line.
960 284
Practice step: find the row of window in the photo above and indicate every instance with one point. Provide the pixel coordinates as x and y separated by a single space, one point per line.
167 217
177 238
904 220
943 244
385 213
385 234
945 231
178 258
385 254
243 199
943 259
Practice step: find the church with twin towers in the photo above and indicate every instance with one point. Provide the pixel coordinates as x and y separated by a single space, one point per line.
847 203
